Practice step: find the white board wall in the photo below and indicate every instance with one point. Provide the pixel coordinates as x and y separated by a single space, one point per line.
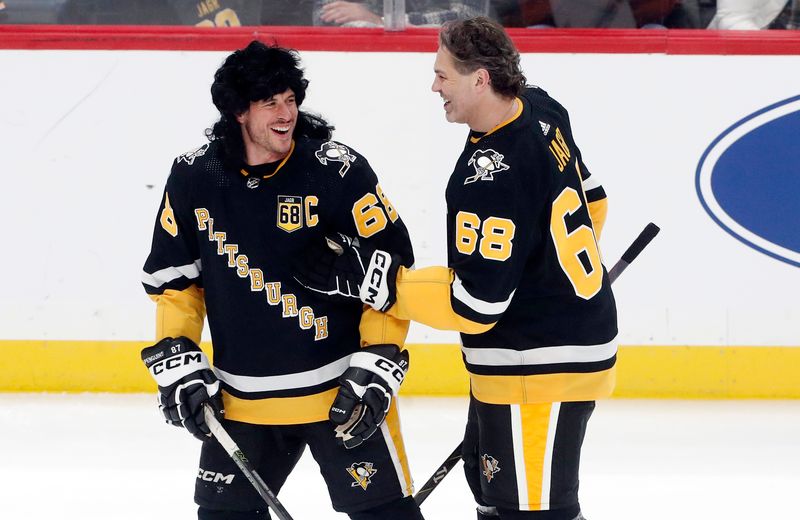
88 138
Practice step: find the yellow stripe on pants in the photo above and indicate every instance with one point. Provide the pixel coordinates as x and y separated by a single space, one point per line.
394 441
533 430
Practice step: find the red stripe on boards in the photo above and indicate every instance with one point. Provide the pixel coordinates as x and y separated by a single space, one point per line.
333 39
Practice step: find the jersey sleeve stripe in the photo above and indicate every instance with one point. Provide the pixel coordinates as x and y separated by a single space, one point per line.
540 356
166 275
488 309
254 384
590 183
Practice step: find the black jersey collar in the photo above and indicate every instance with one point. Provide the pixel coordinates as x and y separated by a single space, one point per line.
266 170
477 137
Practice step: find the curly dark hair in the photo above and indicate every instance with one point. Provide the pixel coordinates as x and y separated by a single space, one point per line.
251 74
481 43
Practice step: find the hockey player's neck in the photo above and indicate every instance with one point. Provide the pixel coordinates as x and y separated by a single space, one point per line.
491 112
256 154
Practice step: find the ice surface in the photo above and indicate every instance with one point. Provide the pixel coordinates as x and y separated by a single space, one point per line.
109 457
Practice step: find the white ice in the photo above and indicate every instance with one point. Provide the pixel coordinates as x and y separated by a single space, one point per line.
109 457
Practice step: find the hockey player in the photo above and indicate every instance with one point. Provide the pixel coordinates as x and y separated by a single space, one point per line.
235 214
524 285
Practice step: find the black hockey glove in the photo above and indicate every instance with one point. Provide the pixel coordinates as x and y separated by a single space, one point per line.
185 382
343 269
366 392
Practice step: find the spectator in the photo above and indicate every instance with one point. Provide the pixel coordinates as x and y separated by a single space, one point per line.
369 13
747 14
618 14
219 13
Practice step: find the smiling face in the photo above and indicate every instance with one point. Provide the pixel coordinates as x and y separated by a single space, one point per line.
458 91
267 128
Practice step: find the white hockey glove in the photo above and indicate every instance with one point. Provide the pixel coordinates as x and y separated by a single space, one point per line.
185 382
366 390
343 269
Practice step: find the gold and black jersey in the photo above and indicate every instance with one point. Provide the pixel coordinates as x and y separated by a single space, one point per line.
226 241
525 283
234 13
202 13
217 13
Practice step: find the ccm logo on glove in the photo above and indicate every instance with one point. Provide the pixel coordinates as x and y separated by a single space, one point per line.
366 390
176 362
375 276
377 291
186 382
397 371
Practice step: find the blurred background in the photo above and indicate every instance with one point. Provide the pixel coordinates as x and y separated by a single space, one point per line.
537 14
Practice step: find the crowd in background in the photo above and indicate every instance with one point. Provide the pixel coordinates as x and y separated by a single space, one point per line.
646 14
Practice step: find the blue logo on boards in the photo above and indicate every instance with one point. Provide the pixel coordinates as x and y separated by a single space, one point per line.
748 180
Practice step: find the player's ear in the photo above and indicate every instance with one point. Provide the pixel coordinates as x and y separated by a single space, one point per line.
482 78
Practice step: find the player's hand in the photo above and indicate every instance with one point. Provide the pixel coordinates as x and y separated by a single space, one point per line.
343 269
185 382
366 390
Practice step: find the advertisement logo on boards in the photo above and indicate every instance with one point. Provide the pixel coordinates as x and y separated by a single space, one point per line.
748 180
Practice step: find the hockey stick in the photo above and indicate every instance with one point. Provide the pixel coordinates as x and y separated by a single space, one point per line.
647 234
238 457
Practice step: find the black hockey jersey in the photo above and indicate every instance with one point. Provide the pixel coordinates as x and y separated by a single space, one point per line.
229 239
523 260
204 13
217 13
234 13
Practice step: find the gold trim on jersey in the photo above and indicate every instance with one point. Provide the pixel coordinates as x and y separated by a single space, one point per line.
279 410
378 327
517 113
543 388
423 295
291 149
598 209
180 313
597 212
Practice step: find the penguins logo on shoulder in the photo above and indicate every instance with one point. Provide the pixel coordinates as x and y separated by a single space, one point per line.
486 163
189 157
333 151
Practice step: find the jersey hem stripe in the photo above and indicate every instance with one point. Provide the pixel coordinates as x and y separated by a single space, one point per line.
540 355
253 384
